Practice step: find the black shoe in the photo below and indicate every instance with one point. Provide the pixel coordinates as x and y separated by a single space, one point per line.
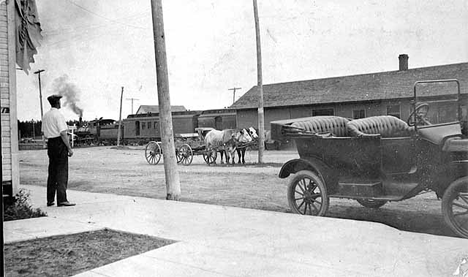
66 204
50 204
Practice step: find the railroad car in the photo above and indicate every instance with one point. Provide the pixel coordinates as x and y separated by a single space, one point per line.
219 119
142 128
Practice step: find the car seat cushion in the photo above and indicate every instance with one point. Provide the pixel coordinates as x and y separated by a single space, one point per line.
334 125
385 126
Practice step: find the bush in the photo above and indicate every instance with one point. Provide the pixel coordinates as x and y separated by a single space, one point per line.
17 207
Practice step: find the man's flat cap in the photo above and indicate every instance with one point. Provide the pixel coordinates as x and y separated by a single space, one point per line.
54 97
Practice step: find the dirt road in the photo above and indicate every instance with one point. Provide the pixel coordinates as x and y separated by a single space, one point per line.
126 172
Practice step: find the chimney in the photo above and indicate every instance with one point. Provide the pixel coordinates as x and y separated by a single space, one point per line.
403 62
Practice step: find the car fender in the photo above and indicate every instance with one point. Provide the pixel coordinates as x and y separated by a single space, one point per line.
314 165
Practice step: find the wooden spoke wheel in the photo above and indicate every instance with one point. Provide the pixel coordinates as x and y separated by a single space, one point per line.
455 206
153 152
307 194
370 203
184 155
209 157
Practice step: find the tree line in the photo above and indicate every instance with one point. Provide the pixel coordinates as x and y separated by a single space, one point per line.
32 128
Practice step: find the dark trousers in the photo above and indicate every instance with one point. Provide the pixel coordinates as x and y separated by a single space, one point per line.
58 170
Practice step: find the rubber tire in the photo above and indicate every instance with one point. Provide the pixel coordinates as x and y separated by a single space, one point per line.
450 194
306 174
372 204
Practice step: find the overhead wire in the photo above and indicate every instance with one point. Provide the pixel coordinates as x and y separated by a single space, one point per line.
89 32
103 17
87 37
59 31
82 31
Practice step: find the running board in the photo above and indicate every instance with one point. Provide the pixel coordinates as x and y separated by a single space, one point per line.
388 191
369 189
382 198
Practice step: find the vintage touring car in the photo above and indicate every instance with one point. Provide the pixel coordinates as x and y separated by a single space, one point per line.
382 158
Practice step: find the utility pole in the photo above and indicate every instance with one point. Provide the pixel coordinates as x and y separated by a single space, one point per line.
40 100
261 115
165 116
40 89
132 99
234 94
119 133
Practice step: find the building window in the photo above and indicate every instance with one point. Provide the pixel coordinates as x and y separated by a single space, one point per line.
143 125
149 125
359 114
318 112
156 125
394 110
137 127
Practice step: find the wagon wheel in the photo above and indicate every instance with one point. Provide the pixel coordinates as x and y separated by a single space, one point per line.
185 154
178 157
370 203
209 157
153 152
307 194
455 206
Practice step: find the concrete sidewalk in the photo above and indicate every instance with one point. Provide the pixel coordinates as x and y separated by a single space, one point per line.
227 241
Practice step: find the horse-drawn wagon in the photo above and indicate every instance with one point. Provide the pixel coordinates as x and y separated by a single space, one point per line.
382 158
187 145
207 142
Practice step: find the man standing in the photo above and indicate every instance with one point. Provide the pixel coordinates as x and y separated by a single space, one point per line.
55 128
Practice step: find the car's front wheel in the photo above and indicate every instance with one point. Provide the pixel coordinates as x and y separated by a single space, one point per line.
307 194
455 206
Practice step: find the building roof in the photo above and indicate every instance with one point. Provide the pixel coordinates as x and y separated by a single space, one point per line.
364 87
143 109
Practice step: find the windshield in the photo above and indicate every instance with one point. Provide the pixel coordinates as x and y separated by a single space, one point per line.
437 102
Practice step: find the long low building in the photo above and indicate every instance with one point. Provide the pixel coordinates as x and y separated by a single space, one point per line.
356 96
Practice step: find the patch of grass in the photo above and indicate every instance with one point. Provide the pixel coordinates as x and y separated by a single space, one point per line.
18 207
73 254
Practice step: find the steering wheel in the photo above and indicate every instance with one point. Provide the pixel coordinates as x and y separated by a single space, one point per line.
420 115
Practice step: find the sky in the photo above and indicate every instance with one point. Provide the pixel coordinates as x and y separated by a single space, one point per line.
94 48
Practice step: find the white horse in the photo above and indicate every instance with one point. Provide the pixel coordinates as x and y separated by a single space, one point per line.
225 141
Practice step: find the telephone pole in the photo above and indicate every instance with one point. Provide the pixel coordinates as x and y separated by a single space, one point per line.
261 115
234 94
119 133
40 89
165 116
40 100
132 99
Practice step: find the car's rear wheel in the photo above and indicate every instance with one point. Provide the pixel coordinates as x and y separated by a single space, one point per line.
307 194
455 206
